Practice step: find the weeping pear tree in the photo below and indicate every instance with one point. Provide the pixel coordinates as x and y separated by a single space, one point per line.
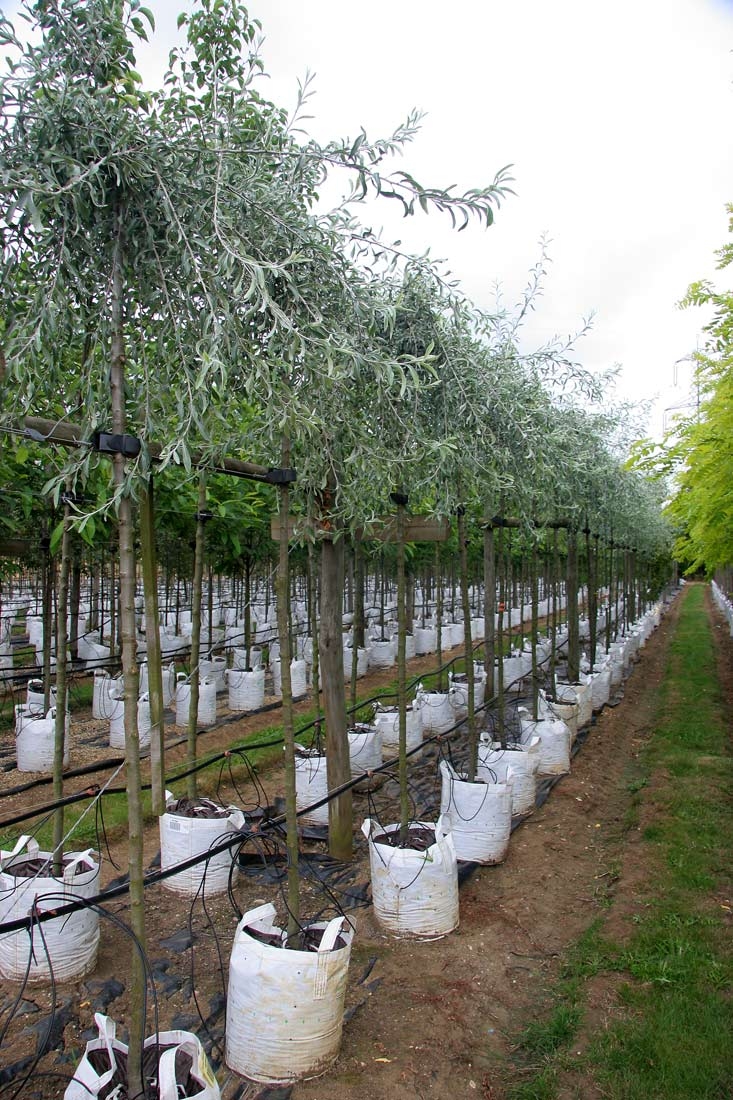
117 283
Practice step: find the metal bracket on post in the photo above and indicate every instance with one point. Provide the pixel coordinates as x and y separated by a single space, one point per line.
278 476
107 443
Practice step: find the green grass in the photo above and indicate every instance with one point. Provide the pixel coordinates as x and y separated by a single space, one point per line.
673 1037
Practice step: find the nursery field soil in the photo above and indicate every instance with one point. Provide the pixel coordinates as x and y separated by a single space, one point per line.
423 1018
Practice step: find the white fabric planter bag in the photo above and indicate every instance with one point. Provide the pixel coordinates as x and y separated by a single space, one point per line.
478 629
117 723
584 692
362 662
565 707
365 749
601 687
436 710
34 740
410 650
104 695
182 838
311 785
88 1082
459 689
213 668
34 696
91 651
298 678
285 1009
239 660
414 893
479 815
387 720
523 764
381 655
172 643
513 673
246 689
426 640
206 715
617 665
554 749
72 940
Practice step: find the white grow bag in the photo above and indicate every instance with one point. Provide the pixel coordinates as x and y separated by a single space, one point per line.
35 735
239 659
523 763
34 696
381 654
117 722
206 715
415 893
214 668
285 1008
554 750
182 838
298 678
479 814
365 749
426 640
89 1082
105 689
70 941
565 706
311 784
600 686
436 710
387 720
246 689
459 689
362 662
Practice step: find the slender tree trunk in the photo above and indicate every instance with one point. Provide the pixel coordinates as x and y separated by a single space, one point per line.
439 614
47 613
401 500
489 608
572 608
154 655
282 595
194 678
500 643
61 694
331 645
130 678
534 628
75 600
358 627
470 676
313 629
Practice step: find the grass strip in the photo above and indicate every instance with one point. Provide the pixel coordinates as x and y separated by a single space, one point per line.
674 970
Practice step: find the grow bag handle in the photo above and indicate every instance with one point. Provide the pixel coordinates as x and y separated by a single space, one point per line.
264 913
72 865
20 844
330 934
167 1083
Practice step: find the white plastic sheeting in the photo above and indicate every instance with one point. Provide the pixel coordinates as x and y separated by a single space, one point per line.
285 1008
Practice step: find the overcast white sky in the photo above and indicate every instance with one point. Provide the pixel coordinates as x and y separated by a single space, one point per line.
615 115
